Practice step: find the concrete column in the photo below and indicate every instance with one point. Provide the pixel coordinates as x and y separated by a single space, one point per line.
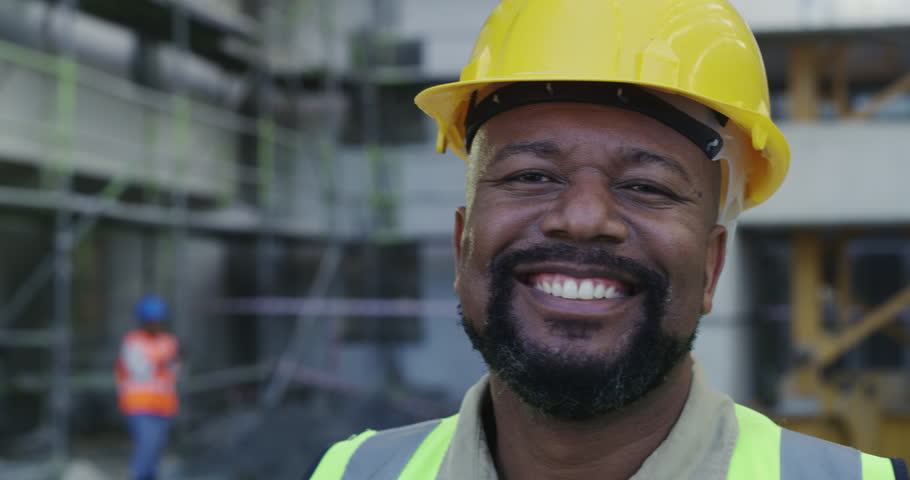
723 348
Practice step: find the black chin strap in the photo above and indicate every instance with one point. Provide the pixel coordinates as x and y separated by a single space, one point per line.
620 95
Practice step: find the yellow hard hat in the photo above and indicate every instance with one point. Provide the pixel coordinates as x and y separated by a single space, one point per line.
700 49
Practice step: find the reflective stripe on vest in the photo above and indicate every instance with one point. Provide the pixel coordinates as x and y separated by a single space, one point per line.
386 454
764 451
414 452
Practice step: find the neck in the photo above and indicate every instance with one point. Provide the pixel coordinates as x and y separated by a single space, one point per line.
530 445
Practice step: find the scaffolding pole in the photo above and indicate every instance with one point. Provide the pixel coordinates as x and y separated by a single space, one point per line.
60 400
290 363
181 121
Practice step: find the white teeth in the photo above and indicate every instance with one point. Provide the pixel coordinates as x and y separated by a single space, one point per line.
578 289
586 290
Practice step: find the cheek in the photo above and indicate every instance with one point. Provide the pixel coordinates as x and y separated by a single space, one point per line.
487 233
492 229
680 253
471 282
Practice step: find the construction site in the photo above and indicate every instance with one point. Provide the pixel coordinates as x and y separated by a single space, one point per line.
262 167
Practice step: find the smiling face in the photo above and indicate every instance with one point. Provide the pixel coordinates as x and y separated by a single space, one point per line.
586 254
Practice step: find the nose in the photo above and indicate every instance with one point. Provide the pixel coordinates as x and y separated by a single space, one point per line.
585 211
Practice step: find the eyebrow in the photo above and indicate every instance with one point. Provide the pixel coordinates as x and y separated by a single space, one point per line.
540 148
645 157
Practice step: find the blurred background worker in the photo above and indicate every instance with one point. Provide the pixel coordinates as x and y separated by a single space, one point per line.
146 373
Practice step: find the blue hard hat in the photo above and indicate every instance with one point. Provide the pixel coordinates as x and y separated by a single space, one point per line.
151 308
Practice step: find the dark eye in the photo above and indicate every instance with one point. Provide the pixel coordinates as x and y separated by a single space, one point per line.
523 183
648 189
531 177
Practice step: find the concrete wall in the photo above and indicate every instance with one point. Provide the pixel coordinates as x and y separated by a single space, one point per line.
432 188
841 173
119 131
449 28
445 360
790 14
723 344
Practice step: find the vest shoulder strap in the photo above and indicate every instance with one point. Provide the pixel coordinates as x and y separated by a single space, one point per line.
765 451
333 463
757 452
413 451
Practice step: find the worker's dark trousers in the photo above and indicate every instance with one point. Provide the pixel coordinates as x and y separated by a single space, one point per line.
149 434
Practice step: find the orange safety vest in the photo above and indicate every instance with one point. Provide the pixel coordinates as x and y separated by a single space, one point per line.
157 394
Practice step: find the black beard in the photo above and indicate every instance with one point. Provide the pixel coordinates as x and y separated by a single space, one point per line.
569 385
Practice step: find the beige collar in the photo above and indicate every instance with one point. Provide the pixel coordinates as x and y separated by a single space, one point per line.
699 446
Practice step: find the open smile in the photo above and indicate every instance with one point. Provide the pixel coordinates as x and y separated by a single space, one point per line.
563 289
565 286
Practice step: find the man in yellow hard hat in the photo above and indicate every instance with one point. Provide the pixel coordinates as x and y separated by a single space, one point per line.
610 145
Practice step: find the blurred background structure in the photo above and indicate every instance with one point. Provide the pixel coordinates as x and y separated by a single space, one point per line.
261 165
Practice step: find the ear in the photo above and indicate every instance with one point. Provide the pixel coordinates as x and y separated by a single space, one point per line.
714 264
457 234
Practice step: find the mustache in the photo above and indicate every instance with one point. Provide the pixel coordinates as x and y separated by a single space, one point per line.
504 263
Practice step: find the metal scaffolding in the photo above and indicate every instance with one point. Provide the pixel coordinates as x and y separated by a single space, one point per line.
76 214
173 184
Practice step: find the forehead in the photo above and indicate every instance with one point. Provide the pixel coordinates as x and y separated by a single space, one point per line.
586 130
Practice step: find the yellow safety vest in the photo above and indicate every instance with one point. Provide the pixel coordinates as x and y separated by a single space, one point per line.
764 451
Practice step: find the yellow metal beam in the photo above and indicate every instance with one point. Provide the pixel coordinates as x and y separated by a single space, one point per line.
873 321
805 287
806 314
899 87
840 80
852 406
803 83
